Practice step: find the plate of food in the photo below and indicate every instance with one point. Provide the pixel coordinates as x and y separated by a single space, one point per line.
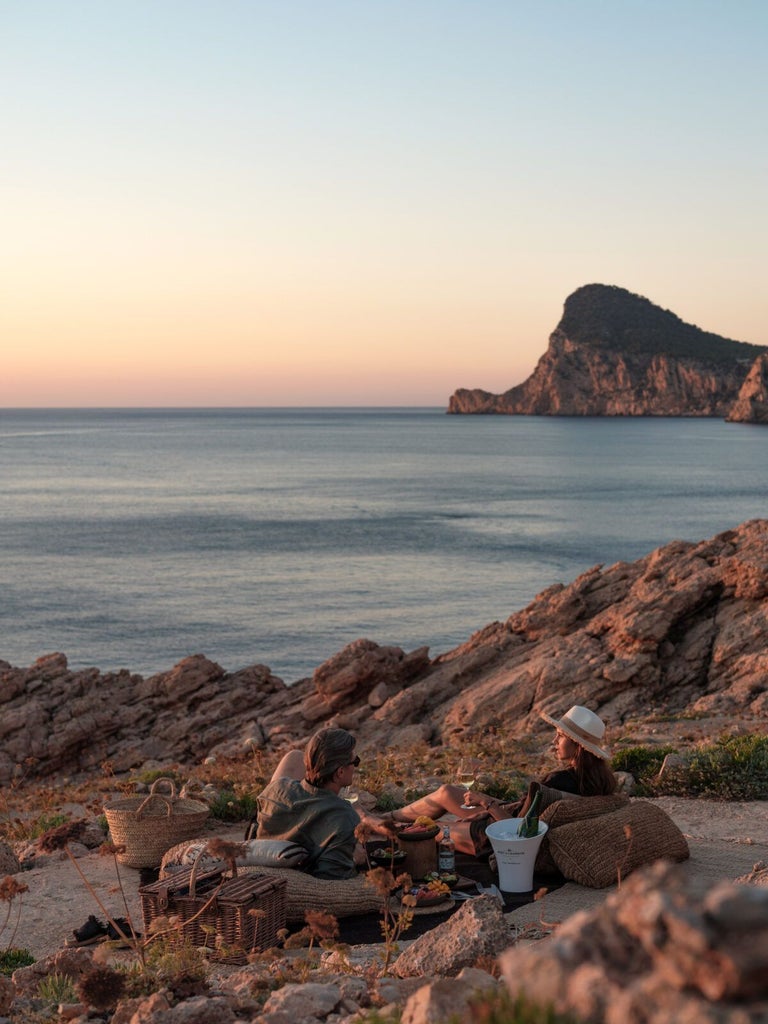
427 895
421 828
427 898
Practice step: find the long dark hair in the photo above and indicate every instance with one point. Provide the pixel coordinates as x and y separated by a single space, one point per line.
593 774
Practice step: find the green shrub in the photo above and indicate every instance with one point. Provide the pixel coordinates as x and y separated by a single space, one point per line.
229 806
499 1007
30 830
57 988
12 958
153 774
643 763
386 802
733 768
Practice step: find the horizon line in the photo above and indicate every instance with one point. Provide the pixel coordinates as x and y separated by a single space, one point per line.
210 408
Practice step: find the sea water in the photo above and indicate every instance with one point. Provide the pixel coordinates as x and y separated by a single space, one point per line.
132 538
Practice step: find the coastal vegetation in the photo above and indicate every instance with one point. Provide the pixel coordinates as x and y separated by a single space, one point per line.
730 767
609 317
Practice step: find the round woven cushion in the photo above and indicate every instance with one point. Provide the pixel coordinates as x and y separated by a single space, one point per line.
342 897
598 851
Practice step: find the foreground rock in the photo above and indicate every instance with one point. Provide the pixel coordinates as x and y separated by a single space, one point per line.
681 632
617 354
477 931
660 949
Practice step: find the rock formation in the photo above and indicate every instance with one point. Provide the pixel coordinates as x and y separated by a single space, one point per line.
681 630
751 405
661 948
616 354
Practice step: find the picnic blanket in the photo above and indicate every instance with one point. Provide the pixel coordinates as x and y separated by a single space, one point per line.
366 928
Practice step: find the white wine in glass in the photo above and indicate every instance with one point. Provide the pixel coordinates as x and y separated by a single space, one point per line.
466 775
349 794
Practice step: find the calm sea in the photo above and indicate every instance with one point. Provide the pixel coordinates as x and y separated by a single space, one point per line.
130 539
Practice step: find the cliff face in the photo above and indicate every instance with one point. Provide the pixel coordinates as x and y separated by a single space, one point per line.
616 354
680 631
751 405
574 379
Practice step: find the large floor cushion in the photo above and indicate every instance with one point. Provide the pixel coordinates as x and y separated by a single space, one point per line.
563 812
344 897
557 813
600 850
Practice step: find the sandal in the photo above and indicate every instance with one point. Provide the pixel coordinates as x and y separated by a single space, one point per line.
91 932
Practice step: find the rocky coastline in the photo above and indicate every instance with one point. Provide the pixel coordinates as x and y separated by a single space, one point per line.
679 632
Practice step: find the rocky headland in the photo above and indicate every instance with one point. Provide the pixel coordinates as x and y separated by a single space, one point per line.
615 353
678 634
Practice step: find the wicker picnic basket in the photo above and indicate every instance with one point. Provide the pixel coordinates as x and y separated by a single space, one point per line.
218 912
148 826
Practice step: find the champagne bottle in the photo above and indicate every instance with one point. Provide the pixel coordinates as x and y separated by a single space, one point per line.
529 825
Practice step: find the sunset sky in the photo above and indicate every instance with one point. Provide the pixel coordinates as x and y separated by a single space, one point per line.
363 202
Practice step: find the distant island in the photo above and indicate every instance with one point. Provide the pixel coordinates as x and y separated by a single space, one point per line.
615 353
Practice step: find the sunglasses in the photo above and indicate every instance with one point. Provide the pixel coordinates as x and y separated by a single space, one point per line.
355 763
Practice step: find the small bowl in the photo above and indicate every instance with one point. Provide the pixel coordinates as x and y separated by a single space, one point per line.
449 879
387 855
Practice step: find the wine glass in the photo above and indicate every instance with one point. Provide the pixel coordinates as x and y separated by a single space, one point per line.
466 773
349 793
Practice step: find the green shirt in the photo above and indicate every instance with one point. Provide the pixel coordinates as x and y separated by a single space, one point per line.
322 822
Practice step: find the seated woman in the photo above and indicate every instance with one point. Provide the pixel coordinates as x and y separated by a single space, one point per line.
584 771
301 803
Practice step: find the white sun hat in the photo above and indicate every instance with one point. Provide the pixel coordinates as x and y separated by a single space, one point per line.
583 727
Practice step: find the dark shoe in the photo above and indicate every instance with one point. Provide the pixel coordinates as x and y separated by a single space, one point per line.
128 934
86 935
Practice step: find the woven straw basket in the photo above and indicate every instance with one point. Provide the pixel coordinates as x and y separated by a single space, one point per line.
148 826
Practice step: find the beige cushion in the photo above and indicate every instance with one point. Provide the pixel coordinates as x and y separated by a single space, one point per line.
343 897
598 850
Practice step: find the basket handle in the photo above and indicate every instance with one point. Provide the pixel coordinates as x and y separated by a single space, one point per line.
171 786
168 801
158 796
196 867
154 796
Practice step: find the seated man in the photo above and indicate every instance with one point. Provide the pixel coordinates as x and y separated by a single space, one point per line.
301 803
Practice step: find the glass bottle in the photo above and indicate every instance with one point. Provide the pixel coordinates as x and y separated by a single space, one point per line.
529 825
446 853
